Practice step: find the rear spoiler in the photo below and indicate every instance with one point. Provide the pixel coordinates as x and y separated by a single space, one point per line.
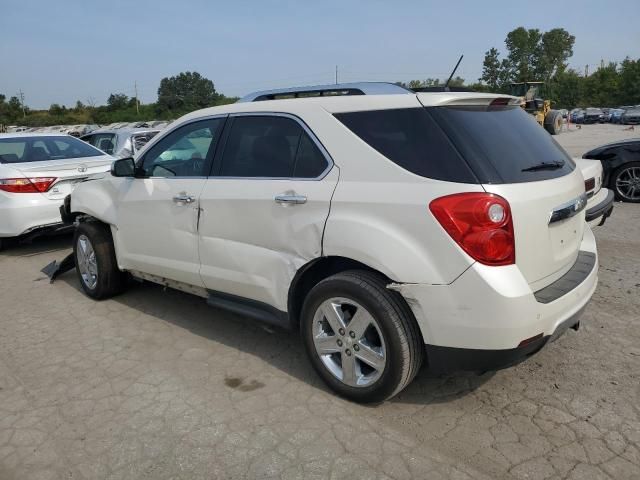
467 99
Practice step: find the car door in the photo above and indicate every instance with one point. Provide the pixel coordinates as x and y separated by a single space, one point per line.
158 211
264 208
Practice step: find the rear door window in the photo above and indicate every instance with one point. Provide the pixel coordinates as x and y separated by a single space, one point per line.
410 138
270 146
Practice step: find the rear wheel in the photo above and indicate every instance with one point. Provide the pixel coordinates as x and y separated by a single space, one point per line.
95 260
553 122
625 182
361 337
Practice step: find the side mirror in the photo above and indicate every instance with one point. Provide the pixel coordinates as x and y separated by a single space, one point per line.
124 167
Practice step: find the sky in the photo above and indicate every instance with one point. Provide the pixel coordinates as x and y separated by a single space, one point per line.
67 50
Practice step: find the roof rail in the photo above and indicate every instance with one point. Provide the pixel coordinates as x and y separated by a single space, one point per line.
441 88
338 89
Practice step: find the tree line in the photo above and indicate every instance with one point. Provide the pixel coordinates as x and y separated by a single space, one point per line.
177 95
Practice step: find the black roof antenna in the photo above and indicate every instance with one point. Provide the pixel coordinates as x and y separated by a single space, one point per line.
446 85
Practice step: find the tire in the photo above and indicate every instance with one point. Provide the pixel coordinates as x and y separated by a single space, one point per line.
97 267
553 122
625 173
392 335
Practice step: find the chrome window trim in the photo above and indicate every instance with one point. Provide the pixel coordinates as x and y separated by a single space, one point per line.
308 131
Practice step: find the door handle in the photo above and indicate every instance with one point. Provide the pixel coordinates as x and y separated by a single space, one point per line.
289 199
184 199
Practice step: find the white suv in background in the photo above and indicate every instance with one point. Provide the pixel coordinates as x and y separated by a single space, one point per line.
390 227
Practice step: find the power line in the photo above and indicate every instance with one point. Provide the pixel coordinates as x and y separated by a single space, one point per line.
135 87
24 112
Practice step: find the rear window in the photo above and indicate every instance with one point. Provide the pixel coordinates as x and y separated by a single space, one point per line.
463 144
410 138
41 149
503 144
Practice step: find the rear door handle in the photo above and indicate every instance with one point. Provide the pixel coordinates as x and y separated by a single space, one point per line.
289 199
183 199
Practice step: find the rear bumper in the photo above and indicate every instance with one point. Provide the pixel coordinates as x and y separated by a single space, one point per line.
600 211
449 359
24 213
494 308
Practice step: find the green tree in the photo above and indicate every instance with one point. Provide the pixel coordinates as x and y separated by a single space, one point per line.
117 101
556 47
56 109
566 88
491 69
600 89
629 84
523 47
186 91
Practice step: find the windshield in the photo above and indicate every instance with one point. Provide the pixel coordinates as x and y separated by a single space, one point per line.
42 149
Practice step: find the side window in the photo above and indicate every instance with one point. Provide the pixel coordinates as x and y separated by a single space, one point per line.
103 141
184 152
270 146
310 162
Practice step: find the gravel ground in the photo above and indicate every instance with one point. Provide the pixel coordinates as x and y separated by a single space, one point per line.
154 384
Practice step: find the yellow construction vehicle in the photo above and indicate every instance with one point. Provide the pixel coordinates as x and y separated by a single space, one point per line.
550 119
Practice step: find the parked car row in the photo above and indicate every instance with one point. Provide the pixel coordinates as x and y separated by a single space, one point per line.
84 129
628 115
73 130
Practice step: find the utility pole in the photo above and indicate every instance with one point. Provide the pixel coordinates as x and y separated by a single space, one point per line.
336 74
24 112
135 87
602 64
586 70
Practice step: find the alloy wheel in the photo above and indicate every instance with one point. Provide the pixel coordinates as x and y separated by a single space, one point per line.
349 342
87 263
628 183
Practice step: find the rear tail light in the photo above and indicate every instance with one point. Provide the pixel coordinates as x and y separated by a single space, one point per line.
480 223
26 185
589 184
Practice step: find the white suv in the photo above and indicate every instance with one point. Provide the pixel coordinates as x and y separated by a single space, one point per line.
390 227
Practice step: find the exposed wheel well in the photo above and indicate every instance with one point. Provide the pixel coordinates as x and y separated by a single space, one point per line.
312 273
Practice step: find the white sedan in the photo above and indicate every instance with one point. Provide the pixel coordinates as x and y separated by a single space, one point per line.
37 170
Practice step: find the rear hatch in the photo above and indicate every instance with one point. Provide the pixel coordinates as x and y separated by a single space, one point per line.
65 159
512 156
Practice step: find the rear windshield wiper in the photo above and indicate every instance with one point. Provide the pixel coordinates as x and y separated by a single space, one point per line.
545 166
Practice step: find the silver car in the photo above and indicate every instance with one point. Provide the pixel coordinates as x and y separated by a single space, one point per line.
120 142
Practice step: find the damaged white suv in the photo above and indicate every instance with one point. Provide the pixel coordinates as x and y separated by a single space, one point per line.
391 228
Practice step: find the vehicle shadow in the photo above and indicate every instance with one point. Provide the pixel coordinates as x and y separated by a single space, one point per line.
37 246
282 350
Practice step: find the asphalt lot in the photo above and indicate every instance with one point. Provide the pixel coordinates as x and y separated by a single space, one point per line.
154 384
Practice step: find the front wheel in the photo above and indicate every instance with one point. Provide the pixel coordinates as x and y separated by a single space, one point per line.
625 182
95 260
361 337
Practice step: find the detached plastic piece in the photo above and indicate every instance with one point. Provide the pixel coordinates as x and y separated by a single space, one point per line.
55 268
